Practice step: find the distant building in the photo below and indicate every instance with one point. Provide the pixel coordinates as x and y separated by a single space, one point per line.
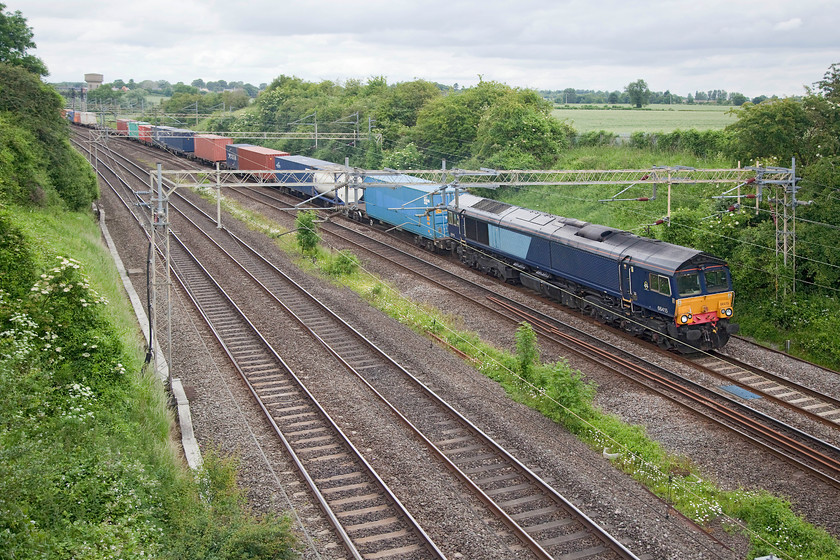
93 81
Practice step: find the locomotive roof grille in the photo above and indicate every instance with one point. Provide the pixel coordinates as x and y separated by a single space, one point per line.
492 206
595 232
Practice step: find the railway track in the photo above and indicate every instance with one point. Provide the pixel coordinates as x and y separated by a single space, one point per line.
541 520
367 516
808 402
371 520
807 452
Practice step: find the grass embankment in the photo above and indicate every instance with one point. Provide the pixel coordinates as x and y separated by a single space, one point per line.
87 466
563 395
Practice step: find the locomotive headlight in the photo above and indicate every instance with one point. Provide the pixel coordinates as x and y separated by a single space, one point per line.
684 319
728 312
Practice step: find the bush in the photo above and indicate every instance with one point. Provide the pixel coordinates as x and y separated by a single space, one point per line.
341 264
596 138
307 232
17 267
36 158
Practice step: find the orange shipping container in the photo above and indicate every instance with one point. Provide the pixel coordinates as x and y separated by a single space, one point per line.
257 157
122 126
211 147
144 133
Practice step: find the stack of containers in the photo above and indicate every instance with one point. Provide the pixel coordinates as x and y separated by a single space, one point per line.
159 133
211 147
134 128
87 118
180 140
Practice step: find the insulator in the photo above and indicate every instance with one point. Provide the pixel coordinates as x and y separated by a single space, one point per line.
645 178
643 199
750 180
658 222
749 196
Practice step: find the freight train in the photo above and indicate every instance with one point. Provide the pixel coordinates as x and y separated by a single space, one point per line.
677 297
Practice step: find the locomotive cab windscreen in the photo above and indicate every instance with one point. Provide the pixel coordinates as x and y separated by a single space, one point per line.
706 281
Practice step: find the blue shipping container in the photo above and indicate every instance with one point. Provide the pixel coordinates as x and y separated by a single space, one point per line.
180 140
413 205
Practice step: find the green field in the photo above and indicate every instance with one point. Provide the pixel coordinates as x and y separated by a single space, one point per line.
623 120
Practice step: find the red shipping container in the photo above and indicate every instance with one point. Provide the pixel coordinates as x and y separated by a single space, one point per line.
257 157
144 133
77 117
211 147
122 126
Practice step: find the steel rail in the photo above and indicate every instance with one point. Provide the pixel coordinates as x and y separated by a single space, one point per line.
522 532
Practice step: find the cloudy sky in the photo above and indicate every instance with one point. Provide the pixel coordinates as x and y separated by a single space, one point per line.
750 46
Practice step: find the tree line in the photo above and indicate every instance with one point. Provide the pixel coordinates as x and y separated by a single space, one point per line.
637 93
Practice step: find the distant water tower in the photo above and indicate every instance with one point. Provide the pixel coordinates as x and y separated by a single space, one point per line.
93 81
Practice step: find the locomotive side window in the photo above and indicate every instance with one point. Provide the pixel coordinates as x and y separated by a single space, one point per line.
660 284
688 284
453 219
716 281
477 231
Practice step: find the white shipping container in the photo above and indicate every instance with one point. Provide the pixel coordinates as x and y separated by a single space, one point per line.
87 118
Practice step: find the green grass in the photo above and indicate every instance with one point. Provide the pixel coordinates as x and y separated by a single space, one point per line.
87 466
623 120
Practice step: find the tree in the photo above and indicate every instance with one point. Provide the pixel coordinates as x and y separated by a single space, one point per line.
104 93
307 232
36 159
15 40
408 157
251 90
569 95
449 124
638 92
738 99
821 105
373 155
181 87
136 98
518 132
772 132
197 83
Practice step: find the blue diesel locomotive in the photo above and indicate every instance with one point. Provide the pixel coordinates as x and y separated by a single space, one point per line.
678 297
